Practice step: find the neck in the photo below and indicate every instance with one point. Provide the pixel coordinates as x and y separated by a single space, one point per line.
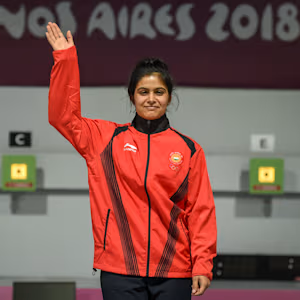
150 126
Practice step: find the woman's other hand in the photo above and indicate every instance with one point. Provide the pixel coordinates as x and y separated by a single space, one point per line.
56 38
200 284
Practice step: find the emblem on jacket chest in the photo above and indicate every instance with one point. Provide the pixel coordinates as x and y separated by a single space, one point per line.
176 159
129 147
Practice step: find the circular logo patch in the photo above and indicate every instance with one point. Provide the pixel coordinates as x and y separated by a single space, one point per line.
176 158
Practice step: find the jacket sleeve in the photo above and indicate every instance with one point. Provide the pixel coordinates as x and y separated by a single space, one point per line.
201 218
64 108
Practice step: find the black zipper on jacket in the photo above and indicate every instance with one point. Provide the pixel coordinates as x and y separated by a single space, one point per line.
145 184
107 217
184 232
106 224
187 238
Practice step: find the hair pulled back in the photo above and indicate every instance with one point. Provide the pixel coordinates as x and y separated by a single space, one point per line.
146 67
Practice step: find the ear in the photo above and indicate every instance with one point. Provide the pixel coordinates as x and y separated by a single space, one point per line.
132 100
170 99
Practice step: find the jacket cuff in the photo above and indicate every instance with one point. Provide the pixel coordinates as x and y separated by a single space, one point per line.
66 54
208 275
203 269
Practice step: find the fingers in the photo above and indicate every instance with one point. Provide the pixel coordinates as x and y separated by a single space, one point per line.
49 39
195 286
70 37
58 33
57 39
54 31
200 284
203 287
51 31
50 36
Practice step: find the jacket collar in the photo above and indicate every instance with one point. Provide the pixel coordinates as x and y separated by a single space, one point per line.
150 126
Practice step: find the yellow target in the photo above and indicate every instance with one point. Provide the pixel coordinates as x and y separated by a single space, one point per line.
266 174
19 171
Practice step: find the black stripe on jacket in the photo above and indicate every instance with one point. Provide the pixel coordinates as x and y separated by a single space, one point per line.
119 211
182 190
169 250
188 141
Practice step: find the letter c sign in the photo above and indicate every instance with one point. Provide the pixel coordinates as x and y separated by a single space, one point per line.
20 139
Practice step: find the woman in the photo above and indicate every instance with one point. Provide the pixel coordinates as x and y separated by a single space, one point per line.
152 208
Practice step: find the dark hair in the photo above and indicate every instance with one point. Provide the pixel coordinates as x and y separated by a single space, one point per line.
149 66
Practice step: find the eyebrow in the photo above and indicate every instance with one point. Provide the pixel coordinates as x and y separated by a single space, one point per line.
144 88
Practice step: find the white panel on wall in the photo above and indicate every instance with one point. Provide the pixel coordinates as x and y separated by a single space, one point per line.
220 120
59 244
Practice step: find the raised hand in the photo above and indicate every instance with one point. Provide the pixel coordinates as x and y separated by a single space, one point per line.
56 38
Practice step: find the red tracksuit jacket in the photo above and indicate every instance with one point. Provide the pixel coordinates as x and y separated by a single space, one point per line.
152 207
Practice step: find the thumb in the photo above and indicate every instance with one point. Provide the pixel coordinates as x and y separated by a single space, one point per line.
70 37
195 285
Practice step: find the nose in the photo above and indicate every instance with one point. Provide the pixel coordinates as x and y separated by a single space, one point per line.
151 97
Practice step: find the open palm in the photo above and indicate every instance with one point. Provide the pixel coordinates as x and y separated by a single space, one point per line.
57 39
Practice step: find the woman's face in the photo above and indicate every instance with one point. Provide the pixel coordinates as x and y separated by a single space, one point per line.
151 97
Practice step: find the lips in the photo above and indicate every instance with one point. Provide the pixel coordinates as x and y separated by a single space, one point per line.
151 107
